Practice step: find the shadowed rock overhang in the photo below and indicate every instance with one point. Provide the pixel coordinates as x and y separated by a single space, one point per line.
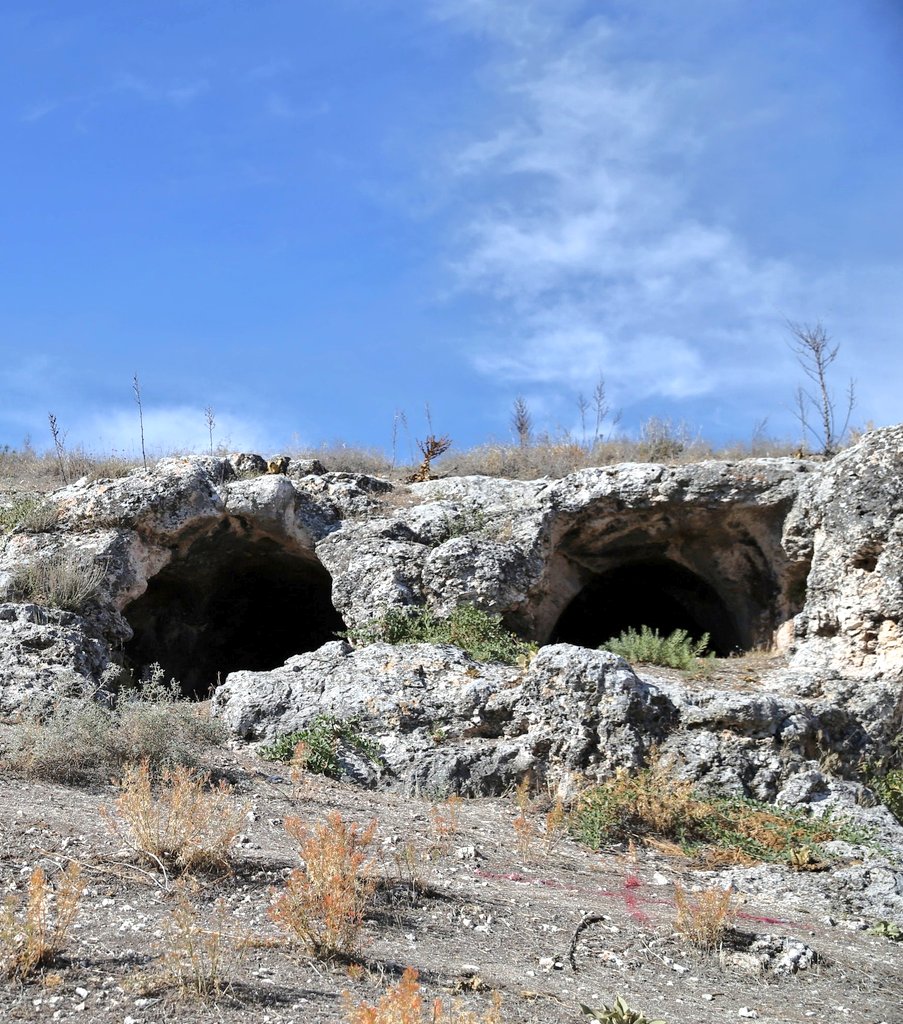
230 598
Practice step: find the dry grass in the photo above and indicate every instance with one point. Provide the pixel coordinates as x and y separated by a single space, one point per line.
705 917
403 1003
445 820
652 804
64 579
32 936
323 904
182 824
195 952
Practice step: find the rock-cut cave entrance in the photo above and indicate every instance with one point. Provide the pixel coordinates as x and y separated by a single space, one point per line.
230 599
657 593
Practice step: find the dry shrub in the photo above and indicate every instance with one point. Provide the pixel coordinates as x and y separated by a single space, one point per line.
80 740
194 952
704 917
445 819
323 904
403 1004
33 936
632 805
651 803
64 579
186 825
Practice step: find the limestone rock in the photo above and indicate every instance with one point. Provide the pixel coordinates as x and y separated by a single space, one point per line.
44 654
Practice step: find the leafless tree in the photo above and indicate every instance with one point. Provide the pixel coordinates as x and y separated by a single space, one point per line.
812 346
522 421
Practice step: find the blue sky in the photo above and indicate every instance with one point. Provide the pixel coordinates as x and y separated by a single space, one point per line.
310 216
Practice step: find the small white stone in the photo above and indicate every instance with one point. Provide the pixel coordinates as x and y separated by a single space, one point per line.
745 1011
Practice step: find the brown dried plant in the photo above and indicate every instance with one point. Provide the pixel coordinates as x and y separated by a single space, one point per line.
704 918
446 821
182 824
194 952
430 449
403 1003
323 904
31 936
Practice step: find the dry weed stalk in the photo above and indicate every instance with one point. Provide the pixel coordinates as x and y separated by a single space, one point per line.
32 937
430 449
446 821
323 904
407 860
194 953
704 918
555 825
403 1004
187 825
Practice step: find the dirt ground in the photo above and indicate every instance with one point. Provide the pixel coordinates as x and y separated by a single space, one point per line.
482 918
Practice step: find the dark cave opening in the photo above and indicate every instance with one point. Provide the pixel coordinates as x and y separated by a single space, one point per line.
230 601
660 594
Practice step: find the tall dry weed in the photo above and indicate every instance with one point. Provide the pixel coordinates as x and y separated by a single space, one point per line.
31 936
323 904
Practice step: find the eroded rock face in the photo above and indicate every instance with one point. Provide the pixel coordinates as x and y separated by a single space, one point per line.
851 515
44 654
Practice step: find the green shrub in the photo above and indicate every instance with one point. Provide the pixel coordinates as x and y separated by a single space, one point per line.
677 650
889 788
321 740
651 804
618 1013
478 633
83 741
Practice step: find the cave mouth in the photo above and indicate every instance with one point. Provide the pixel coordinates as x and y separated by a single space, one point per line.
230 601
660 594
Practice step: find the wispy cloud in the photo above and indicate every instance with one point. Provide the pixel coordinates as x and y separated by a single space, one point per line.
178 93
582 232
166 429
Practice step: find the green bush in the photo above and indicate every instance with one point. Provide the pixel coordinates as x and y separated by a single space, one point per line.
478 633
83 741
677 650
321 740
889 788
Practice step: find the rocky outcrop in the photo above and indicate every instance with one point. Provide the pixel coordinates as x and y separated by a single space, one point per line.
445 723
222 571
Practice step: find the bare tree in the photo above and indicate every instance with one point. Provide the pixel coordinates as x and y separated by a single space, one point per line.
430 449
814 352
522 421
